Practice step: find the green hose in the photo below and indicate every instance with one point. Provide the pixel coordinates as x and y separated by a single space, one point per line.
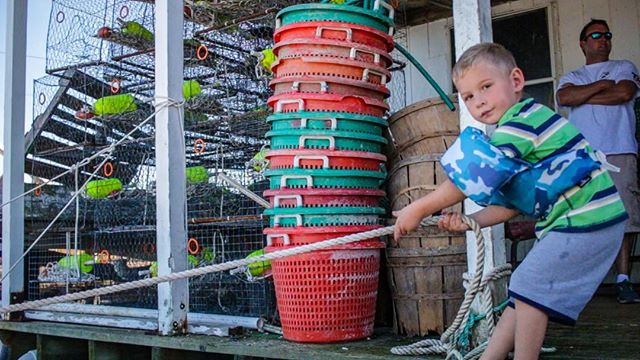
424 73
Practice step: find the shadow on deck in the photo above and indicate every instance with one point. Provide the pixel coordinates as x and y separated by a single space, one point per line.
606 330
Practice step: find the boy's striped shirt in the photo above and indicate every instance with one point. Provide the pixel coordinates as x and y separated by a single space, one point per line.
533 132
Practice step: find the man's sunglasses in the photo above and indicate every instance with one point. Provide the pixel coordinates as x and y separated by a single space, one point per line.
597 35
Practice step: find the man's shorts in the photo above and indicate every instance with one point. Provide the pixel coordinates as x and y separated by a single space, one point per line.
564 269
627 184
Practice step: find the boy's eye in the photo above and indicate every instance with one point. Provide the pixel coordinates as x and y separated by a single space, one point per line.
486 86
467 98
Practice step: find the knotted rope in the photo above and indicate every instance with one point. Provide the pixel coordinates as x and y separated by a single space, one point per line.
454 341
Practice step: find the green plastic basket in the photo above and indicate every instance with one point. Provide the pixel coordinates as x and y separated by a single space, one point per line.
327 121
325 139
329 216
380 19
324 178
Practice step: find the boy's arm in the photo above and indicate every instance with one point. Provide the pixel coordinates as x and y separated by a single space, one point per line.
574 95
491 215
445 195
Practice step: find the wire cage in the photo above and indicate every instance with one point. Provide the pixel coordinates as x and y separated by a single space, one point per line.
96 137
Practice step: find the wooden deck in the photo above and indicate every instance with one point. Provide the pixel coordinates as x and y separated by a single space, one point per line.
606 330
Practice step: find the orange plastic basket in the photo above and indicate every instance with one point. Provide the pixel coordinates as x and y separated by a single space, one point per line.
329 84
335 67
328 295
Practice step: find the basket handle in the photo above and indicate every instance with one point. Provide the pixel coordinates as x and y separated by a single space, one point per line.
378 3
296 197
348 31
276 218
304 138
281 103
354 52
324 158
324 87
284 178
285 239
367 72
334 122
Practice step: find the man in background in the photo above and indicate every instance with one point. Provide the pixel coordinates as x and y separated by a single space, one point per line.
601 96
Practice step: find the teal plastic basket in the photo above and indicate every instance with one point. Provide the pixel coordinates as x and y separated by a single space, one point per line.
381 18
325 139
326 216
328 121
324 178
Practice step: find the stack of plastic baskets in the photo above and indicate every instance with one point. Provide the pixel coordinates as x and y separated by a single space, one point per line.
325 165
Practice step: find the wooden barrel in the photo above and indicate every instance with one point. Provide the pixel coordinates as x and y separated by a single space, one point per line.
425 270
419 134
425 277
425 127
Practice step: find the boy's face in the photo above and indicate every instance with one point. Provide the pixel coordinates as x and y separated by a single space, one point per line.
488 92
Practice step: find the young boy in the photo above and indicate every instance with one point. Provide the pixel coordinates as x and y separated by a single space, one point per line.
578 239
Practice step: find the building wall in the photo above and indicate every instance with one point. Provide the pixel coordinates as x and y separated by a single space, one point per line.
430 43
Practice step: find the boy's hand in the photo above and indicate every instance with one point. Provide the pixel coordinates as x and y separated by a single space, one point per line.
452 222
408 220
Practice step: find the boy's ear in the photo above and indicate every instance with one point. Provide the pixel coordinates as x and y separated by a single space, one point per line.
517 78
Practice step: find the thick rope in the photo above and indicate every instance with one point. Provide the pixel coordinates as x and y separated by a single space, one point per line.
448 342
200 271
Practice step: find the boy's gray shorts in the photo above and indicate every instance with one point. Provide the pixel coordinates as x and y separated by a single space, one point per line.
564 269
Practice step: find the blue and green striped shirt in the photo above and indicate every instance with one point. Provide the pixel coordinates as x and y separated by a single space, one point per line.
532 132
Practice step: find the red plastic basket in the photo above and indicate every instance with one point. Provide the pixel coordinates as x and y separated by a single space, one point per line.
328 295
290 198
291 102
325 159
337 31
331 49
280 237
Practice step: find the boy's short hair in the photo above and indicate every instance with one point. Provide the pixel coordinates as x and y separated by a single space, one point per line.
583 33
490 53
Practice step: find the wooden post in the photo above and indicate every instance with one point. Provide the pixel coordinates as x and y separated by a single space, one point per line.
173 297
13 164
472 25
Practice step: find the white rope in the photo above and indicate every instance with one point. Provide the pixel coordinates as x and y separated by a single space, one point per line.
199 271
446 344
108 150
448 341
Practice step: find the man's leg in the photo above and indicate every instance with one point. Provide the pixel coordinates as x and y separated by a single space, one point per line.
625 293
531 326
501 341
622 261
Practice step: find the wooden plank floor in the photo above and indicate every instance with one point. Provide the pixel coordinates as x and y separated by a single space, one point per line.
606 330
